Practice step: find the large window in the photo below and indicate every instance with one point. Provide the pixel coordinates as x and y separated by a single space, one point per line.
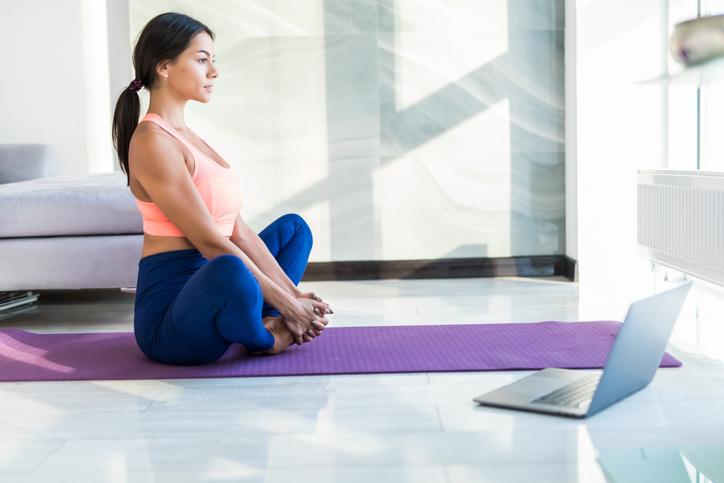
399 129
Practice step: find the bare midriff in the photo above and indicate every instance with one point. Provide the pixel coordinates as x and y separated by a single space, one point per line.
159 244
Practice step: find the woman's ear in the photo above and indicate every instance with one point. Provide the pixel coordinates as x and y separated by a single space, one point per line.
162 70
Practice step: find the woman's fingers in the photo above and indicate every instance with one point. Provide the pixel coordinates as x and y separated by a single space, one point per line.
314 296
297 330
322 309
320 313
309 321
309 335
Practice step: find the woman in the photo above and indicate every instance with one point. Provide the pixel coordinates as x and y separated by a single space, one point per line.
205 280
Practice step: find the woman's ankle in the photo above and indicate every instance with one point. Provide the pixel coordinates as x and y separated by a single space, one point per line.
278 330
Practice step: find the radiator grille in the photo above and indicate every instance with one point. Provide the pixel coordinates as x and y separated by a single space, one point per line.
680 221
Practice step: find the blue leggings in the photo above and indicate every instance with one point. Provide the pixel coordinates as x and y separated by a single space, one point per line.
189 310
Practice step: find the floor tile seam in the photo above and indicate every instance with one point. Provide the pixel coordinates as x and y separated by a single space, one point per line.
403 404
243 473
265 411
347 399
531 430
258 391
357 407
194 439
370 384
35 416
284 409
256 386
60 441
153 402
293 378
62 392
83 411
593 463
221 440
352 467
340 393
50 455
514 461
350 408
253 435
439 418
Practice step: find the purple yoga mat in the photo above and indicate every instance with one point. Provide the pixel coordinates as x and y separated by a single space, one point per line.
26 356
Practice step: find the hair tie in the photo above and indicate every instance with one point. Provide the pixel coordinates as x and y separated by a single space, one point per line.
135 85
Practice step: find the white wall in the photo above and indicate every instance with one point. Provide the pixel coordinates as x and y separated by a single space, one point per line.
121 71
54 82
618 131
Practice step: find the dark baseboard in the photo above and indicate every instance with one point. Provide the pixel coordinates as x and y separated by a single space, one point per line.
569 268
533 266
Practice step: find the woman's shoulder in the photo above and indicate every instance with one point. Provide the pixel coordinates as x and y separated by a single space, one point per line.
152 146
149 133
150 139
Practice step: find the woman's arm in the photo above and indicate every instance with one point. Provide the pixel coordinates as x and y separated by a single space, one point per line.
158 165
249 242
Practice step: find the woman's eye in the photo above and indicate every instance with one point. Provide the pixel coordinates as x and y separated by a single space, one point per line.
202 60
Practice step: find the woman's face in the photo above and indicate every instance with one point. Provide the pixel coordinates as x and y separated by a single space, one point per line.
193 74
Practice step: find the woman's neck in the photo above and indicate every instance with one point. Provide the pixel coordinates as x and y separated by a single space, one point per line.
169 110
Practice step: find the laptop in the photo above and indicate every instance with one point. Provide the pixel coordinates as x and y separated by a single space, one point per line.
631 365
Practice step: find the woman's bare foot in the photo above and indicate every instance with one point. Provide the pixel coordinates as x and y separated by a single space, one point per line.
283 338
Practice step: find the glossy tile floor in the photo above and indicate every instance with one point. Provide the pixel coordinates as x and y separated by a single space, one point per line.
359 428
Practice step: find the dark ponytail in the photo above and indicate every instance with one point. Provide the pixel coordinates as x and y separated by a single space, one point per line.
163 39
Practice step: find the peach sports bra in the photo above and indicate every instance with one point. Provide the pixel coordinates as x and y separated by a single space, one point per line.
218 186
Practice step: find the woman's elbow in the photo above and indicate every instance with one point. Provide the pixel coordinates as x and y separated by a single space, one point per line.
212 247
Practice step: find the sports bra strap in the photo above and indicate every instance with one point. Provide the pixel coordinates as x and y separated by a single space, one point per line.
155 118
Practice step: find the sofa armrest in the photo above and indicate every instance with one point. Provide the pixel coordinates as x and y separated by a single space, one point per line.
21 162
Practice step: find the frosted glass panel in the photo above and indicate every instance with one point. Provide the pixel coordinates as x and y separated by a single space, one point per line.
399 129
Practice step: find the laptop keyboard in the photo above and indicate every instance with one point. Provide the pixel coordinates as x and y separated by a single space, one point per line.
572 394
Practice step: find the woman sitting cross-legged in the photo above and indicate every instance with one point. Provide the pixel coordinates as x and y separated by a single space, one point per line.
205 279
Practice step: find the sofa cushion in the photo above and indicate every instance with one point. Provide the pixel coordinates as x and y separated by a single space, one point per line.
88 204
20 162
74 262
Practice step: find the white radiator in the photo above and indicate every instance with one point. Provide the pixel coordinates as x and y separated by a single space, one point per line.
681 221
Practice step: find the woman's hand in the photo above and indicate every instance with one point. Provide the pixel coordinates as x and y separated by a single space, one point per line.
305 319
314 296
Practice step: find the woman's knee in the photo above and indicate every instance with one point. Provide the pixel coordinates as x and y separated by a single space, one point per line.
299 224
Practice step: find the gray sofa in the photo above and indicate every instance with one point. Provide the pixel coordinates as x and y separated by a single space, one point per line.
64 232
